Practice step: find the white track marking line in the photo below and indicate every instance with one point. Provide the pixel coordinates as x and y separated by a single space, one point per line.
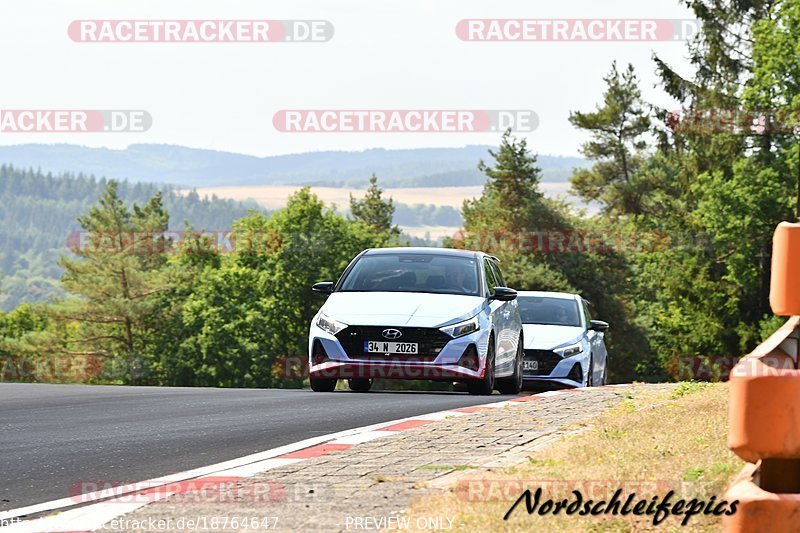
256 468
362 437
441 415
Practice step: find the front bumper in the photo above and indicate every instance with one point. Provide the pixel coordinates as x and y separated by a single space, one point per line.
441 366
553 369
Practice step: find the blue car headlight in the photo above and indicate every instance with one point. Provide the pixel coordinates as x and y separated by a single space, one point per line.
462 328
330 325
569 351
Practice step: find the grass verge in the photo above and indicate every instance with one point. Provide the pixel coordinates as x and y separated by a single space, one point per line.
652 442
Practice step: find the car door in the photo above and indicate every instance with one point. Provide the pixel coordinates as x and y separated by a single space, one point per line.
504 330
596 341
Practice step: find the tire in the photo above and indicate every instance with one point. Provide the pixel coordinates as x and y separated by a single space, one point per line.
360 384
485 385
323 384
513 384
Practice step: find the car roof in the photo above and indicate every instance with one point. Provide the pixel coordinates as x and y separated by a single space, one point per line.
545 294
423 250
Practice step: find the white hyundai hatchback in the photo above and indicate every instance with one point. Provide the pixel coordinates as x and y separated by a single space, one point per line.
563 345
418 313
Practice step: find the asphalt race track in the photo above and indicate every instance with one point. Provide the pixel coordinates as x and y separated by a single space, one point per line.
54 436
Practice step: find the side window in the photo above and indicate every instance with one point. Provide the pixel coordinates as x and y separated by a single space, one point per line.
498 275
491 283
586 312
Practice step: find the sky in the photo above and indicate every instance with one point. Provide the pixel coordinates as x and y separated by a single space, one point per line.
390 54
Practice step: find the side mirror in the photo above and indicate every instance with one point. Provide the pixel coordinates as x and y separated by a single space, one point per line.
598 325
504 294
323 287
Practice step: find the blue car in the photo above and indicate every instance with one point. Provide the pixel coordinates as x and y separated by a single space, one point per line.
564 347
418 313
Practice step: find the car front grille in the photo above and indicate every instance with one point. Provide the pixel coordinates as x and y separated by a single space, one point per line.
431 342
547 360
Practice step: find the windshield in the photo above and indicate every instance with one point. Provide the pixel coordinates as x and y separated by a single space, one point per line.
445 274
549 311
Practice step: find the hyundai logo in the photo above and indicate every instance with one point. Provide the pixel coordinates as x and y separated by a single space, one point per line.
392 333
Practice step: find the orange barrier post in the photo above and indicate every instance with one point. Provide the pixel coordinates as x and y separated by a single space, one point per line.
765 407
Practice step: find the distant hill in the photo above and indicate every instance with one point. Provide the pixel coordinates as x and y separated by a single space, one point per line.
192 167
38 211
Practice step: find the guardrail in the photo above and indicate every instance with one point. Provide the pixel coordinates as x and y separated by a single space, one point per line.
764 424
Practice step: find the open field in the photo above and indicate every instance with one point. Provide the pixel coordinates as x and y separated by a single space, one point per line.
275 196
654 442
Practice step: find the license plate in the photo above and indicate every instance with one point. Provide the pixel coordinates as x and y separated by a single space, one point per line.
530 365
405 348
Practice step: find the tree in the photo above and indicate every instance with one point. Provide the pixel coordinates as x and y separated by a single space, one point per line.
117 277
513 220
374 211
616 147
510 211
245 319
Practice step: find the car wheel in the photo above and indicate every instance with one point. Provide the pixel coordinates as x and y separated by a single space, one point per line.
485 385
360 384
590 374
322 384
513 384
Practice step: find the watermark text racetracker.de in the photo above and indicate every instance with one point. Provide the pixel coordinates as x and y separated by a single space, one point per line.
74 120
734 121
200 31
404 120
576 30
529 241
217 490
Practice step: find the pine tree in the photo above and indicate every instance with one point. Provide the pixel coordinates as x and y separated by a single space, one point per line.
374 211
616 146
117 277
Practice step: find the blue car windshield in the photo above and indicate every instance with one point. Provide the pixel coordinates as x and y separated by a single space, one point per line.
548 311
431 273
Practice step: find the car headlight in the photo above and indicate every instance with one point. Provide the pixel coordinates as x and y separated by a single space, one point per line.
462 328
569 351
330 325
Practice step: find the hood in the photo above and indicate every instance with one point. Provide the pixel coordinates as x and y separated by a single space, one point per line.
411 309
546 337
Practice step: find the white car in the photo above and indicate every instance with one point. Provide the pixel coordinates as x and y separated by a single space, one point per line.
563 345
418 313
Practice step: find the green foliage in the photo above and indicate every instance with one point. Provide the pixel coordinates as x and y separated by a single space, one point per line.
241 320
616 146
506 221
116 279
687 387
716 196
